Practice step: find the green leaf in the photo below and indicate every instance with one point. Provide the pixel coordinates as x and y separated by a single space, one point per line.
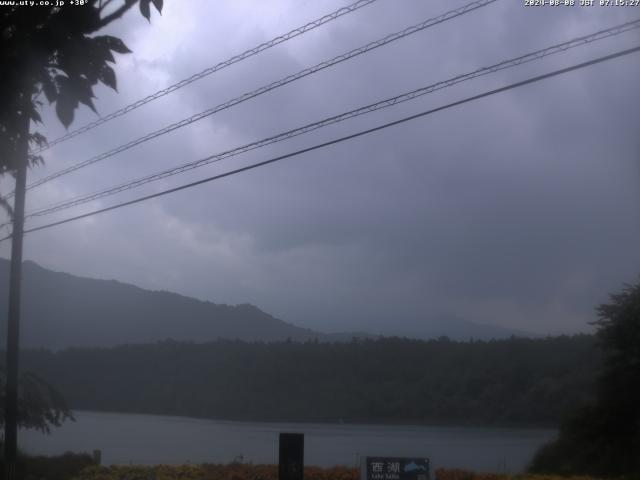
38 139
83 92
49 89
158 5
61 81
115 44
88 101
64 109
67 100
144 9
35 116
35 160
102 49
108 77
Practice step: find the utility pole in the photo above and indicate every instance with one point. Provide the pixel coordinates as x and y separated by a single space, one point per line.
15 280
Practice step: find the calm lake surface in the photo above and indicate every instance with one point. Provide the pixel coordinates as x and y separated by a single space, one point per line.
151 439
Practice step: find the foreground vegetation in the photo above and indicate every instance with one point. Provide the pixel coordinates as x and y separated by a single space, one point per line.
60 467
603 438
76 471
270 472
393 380
211 472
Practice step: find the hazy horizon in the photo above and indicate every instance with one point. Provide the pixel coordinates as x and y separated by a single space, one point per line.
47 297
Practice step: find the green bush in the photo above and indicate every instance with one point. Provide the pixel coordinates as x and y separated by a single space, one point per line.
60 467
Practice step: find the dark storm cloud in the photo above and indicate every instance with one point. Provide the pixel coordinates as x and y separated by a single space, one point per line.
519 210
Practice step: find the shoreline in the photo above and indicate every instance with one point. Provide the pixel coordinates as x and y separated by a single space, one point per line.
364 423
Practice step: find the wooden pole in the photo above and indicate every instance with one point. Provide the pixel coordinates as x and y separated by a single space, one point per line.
15 280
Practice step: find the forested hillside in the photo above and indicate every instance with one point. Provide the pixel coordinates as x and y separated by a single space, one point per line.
516 381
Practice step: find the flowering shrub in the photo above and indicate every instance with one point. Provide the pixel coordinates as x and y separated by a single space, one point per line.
456 474
210 472
270 472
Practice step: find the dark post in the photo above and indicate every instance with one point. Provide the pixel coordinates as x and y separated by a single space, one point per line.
13 326
291 462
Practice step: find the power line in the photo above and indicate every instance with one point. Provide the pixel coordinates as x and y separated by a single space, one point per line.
338 140
208 71
539 54
264 89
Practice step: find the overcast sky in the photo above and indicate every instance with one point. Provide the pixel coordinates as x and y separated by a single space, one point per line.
519 210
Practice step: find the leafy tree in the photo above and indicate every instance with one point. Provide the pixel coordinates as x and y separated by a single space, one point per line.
619 335
53 52
604 438
41 406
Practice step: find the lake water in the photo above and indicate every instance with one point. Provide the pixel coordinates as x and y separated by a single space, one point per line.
151 439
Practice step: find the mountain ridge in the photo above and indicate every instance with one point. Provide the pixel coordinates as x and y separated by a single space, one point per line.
61 310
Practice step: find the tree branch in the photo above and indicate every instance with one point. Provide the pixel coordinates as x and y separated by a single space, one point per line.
117 13
104 4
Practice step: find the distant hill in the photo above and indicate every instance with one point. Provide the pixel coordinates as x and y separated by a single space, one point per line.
61 310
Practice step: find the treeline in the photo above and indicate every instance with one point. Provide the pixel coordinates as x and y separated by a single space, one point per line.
508 382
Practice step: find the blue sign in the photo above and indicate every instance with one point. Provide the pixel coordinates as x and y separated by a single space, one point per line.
395 468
